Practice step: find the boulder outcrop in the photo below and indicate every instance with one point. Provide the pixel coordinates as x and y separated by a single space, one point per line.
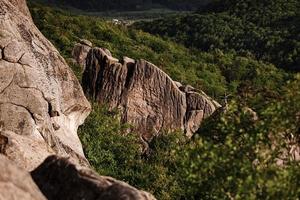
41 106
80 52
41 101
145 95
15 183
82 183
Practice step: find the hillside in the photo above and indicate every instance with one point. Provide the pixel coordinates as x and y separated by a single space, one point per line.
130 5
266 30
214 72
234 155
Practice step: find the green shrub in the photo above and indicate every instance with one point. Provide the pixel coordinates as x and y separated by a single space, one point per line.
214 72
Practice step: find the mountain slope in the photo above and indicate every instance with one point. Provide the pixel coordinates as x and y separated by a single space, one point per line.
213 72
268 30
230 157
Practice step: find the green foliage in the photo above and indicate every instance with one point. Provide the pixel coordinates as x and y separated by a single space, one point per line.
233 156
112 151
268 30
105 5
105 142
214 72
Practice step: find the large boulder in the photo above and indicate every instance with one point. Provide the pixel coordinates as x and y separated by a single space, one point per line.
145 95
15 183
59 179
41 101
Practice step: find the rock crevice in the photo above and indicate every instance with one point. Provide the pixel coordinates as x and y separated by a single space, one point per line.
145 95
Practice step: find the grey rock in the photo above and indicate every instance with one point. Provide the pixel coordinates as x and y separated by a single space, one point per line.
145 95
41 106
178 84
13 51
107 51
79 53
41 101
15 183
82 183
86 42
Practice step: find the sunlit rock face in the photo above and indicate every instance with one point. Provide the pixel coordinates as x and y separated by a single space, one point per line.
16 183
145 95
41 101
80 51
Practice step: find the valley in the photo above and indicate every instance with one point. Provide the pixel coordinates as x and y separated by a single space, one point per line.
150 99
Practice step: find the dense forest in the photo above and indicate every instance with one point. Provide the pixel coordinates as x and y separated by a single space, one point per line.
234 155
268 30
106 5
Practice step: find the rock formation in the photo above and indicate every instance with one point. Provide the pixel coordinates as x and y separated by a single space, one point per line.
41 106
146 96
41 101
80 52
15 183
52 176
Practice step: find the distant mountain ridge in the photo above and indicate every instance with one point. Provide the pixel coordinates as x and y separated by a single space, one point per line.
105 5
267 30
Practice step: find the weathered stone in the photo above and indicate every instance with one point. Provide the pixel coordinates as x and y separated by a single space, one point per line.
81 50
28 59
127 60
16 183
41 101
86 42
146 96
58 179
79 53
193 121
41 106
178 84
13 51
108 52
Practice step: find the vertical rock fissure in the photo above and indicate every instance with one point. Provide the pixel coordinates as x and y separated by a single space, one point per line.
150 100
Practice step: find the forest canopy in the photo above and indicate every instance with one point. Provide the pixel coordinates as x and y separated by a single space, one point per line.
268 30
121 5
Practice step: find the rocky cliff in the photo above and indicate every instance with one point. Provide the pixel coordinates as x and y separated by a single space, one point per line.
41 106
41 101
80 52
16 183
82 183
145 95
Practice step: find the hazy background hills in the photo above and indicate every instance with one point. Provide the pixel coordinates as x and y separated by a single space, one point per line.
129 5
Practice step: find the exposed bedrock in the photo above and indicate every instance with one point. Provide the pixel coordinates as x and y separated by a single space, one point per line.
16 183
80 52
146 96
82 183
41 101
41 106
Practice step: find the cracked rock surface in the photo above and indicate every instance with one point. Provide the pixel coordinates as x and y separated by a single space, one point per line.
41 101
80 52
15 183
83 183
41 106
146 96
